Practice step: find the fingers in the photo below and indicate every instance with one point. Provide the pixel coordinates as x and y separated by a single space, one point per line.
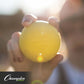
28 19
14 48
56 60
53 21
12 59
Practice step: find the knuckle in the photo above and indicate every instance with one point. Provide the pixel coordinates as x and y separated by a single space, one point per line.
29 18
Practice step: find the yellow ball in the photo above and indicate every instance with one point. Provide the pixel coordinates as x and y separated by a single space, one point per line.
40 41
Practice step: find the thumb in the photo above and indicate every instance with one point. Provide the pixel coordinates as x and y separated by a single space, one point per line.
55 61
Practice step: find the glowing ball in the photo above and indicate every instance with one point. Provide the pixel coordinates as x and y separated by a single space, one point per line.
40 41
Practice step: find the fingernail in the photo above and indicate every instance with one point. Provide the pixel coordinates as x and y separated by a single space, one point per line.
29 18
26 19
33 16
53 19
18 34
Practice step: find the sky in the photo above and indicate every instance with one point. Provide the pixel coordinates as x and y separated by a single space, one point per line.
29 6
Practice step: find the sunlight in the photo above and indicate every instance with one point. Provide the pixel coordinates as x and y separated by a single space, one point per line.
37 6
30 6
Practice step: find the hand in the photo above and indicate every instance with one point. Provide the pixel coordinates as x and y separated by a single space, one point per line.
40 71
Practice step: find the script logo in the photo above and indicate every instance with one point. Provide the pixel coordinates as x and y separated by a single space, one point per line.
10 78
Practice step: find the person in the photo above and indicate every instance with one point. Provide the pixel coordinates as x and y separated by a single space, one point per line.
21 63
72 31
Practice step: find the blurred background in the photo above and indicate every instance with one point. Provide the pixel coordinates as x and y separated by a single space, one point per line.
11 14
